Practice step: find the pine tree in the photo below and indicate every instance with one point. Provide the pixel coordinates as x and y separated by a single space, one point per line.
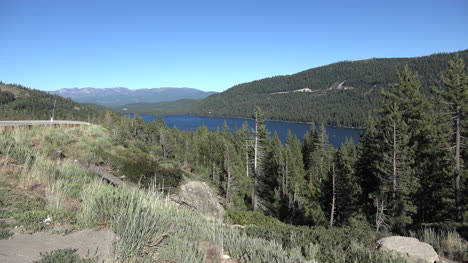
395 173
435 198
308 145
320 162
455 98
296 186
369 157
407 95
243 143
261 140
321 157
346 185
275 169
406 145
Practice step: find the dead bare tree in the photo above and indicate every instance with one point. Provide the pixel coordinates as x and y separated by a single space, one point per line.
259 153
163 143
394 158
246 158
332 212
227 167
186 163
256 172
381 213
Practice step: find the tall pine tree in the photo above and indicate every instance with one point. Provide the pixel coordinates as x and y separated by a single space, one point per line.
455 98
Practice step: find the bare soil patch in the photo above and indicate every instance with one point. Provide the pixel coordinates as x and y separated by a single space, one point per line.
27 248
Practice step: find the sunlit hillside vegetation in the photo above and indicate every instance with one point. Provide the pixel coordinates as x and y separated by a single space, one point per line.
34 185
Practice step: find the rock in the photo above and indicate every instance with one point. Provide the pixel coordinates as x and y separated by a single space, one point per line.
227 259
199 196
58 154
211 251
416 251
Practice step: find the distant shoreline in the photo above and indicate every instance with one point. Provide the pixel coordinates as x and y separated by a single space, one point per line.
235 117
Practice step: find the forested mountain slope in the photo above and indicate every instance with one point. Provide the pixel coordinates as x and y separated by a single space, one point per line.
21 103
339 94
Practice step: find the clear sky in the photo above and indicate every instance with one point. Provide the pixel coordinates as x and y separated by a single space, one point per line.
211 45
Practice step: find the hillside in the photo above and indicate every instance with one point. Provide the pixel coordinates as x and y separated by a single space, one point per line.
21 103
116 97
137 225
340 94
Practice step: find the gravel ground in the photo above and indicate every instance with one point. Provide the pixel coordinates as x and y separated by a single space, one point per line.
27 248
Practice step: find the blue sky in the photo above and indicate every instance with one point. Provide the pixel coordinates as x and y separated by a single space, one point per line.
211 45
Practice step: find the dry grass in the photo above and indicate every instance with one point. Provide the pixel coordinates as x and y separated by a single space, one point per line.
448 244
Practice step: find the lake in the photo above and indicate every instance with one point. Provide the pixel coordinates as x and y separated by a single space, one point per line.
336 136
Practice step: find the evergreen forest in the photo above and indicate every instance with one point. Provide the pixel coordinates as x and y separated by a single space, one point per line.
407 170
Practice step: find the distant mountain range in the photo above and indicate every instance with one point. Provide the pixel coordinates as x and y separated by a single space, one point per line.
117 97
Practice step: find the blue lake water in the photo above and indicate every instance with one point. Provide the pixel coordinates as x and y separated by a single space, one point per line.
336 136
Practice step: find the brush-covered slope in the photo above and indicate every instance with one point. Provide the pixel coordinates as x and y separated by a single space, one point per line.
342 93
21 103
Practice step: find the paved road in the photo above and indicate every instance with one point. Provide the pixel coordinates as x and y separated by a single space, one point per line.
35 122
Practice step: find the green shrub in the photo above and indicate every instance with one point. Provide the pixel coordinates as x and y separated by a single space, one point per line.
57 138
64 216
237 217
172 252
171 176
4 232
141 168
145 223
32 220
67 255
250 249
343 244
132 214
31 213
17 151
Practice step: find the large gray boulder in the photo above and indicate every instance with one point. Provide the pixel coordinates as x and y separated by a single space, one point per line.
199 197
412 248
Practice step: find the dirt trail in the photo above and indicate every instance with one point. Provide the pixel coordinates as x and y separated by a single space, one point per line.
24 248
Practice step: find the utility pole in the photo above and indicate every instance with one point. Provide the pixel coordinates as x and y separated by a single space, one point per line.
53 111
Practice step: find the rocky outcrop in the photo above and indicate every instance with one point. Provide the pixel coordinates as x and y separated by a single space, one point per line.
412 248
199 197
